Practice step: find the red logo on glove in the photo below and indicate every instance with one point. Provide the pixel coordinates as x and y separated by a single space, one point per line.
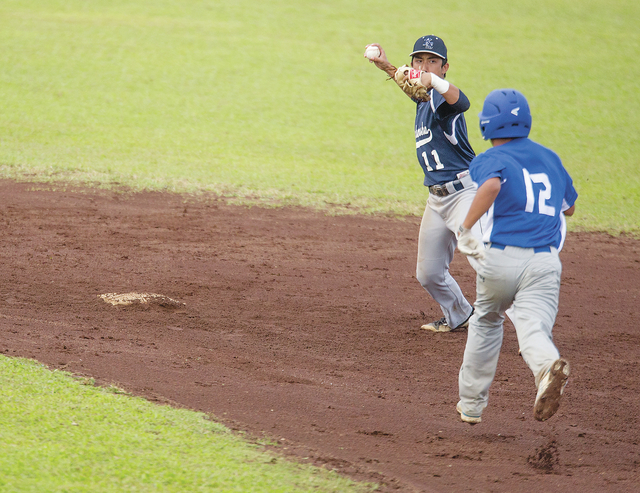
414 75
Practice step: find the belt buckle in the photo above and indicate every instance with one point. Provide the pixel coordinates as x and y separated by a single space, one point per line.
440 191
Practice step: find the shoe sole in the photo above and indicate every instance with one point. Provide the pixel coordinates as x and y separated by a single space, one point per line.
463 326
548 402
460 328
433 329
472 420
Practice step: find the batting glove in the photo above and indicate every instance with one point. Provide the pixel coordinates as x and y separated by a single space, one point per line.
468 244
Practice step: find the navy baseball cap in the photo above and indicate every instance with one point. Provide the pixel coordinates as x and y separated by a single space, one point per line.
430 44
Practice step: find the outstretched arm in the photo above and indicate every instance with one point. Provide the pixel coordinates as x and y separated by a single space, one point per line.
381 62
450 92
405 77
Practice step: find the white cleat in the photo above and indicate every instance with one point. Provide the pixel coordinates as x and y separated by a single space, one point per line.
550 390
472 420
442 325
437 326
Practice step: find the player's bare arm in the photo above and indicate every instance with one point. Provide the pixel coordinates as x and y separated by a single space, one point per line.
485 197
407 79
434 71
382 62
451 94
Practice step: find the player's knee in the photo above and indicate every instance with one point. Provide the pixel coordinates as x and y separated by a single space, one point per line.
429 277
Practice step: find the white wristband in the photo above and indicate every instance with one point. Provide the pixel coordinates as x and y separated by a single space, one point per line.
439 84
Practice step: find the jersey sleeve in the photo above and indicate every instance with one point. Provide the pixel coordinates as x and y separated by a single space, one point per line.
445 109
570 193
484 167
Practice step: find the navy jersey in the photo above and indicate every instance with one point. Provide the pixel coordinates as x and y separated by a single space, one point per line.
535 190
442 143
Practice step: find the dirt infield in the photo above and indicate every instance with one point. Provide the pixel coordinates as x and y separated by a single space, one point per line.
305 328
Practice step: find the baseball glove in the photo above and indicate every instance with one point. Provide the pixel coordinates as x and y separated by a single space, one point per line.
409 81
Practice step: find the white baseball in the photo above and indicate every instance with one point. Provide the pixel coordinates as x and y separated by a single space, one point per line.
372 52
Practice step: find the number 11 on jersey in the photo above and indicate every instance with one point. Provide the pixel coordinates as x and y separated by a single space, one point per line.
436 158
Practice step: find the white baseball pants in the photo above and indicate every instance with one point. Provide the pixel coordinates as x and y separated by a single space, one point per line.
531 281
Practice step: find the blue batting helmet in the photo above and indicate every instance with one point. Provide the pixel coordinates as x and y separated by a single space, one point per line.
505 115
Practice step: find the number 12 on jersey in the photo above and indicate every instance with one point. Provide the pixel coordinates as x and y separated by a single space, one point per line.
543 195
436 158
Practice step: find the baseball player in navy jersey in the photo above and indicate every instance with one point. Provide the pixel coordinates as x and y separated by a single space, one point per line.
523 194
444 153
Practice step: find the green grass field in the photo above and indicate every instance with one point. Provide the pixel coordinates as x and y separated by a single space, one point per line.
272 103
62 434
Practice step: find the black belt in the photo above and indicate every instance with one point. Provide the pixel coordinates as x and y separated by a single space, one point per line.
442 191
543 249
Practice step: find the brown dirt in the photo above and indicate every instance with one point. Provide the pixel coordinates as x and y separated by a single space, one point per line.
304 328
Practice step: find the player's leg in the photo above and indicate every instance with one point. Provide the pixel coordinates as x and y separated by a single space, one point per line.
511 312
496 284
436 244
536 308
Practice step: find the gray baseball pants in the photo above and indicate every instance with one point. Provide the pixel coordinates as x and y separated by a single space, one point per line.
436 245
529 280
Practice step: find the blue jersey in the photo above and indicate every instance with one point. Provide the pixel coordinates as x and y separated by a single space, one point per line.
442 143
535 190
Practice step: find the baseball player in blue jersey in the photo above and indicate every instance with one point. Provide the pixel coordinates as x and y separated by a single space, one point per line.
523 194
444 153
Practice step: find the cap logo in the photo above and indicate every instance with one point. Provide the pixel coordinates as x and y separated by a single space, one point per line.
428 43
514 111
